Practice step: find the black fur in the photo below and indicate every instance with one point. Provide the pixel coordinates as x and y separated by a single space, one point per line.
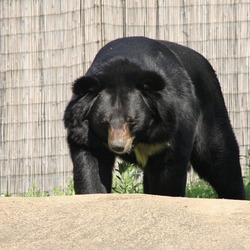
158 104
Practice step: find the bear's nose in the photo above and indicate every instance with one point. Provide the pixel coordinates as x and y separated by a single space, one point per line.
117 146
119 139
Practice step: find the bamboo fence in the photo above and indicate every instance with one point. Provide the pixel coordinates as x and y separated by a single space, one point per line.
46 44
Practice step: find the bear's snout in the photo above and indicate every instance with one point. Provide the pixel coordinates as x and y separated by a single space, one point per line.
119 139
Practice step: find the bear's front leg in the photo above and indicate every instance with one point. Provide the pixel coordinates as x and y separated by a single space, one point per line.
92 170
166 172
162 179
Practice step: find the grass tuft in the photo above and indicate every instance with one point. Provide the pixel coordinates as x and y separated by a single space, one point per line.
127 179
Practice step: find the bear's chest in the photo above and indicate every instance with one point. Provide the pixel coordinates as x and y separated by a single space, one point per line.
144 151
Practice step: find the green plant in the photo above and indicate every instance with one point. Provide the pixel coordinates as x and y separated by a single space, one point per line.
247 191
69 190
127 179
200 189
247 178
35 192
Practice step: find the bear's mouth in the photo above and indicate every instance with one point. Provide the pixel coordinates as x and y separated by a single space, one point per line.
120 140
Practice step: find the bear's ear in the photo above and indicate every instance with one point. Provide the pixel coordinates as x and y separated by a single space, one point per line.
151 81
85 85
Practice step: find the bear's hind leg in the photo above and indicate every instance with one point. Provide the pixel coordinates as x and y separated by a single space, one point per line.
216 160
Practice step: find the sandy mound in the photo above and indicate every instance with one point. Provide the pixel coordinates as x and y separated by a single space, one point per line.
123 222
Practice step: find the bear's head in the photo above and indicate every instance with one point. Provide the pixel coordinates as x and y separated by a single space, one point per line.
125 105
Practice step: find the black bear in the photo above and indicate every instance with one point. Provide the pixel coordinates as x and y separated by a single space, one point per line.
158 104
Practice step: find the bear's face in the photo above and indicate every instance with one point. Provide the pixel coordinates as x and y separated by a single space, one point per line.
121 105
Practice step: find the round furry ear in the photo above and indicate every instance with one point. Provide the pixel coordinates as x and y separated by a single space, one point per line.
85 85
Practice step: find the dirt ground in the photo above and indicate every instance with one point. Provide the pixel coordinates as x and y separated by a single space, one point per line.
123 222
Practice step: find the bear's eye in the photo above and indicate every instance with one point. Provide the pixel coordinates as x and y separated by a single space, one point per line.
145 86
151 81
131 122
